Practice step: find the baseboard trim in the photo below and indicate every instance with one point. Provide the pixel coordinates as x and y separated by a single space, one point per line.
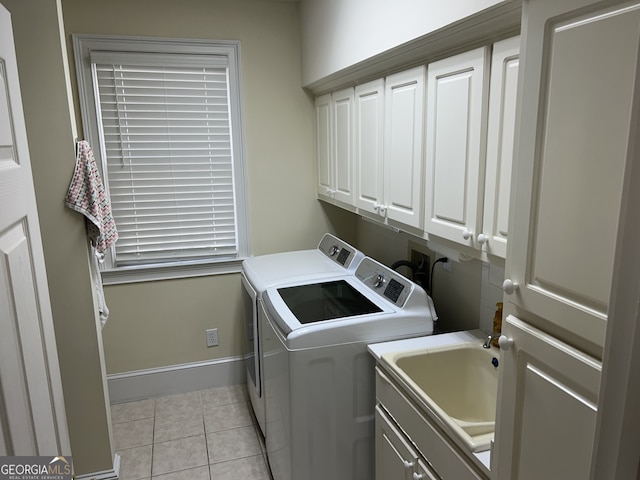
187 377
113 474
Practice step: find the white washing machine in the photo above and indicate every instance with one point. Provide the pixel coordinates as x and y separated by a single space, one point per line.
318 376
332 257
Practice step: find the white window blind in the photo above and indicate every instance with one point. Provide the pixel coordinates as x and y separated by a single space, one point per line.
167 145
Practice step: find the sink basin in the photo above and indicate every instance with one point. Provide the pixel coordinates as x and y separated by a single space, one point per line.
459 383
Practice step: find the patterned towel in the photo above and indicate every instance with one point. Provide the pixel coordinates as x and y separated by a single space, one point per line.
87 195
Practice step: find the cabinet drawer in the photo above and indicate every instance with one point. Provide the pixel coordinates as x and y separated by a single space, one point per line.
445 458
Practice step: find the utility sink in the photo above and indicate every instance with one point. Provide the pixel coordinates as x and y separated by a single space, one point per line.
459 384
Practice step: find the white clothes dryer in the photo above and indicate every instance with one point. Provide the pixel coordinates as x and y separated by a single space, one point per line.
319 379
332 257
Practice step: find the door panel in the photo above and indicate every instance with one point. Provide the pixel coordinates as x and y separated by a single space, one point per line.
32 417
547 407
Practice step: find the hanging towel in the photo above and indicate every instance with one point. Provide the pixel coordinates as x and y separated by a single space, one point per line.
103 310
87 196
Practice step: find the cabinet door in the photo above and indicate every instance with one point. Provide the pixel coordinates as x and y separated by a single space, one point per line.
403 146
343 146
577 89
503 88
323 146
395 459
456 95
369 130
548 400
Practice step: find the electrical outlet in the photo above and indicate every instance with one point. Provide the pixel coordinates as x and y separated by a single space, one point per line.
212 337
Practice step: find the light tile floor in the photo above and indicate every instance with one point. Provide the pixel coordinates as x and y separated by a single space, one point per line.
206 435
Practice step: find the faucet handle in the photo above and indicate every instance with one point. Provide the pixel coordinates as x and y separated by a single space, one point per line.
487 343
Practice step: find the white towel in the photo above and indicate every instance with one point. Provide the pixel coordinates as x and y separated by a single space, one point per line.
87 196
103 310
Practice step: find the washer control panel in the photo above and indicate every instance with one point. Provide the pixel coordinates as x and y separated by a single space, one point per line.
384 281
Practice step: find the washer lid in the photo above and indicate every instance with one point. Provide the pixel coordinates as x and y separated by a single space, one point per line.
332 257
335 300
318 302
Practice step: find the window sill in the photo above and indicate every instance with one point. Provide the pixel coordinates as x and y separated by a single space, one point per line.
152 273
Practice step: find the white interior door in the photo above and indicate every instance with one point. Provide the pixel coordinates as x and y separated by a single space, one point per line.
32 415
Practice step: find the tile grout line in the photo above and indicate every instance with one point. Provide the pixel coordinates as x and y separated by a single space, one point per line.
153 441
204 430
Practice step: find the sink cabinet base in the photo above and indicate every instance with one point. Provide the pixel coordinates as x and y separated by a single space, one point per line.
417 440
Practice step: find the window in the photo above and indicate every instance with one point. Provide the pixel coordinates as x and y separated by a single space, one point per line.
163 119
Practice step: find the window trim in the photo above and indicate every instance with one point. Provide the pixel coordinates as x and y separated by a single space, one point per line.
83 45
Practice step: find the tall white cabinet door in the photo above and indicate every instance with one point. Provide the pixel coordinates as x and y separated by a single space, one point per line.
548 407
503 89
369 131
456 95
403 147
574 133
324 144
343 146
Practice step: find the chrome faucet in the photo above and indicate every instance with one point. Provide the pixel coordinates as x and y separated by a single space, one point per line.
490 338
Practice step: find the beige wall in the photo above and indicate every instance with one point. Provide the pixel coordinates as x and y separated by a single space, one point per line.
162 323
456 294
50 130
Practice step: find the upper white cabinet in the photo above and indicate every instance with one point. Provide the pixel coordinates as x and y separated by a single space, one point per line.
335 146
457 92
403 146
503 89
409 150
389 147
369 139
577 95
323 145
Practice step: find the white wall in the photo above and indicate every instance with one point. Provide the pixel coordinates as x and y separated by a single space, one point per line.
337 34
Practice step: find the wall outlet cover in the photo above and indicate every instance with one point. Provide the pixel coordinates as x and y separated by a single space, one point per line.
212 337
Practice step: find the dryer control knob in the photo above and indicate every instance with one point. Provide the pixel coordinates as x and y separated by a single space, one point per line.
333 250
378 280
